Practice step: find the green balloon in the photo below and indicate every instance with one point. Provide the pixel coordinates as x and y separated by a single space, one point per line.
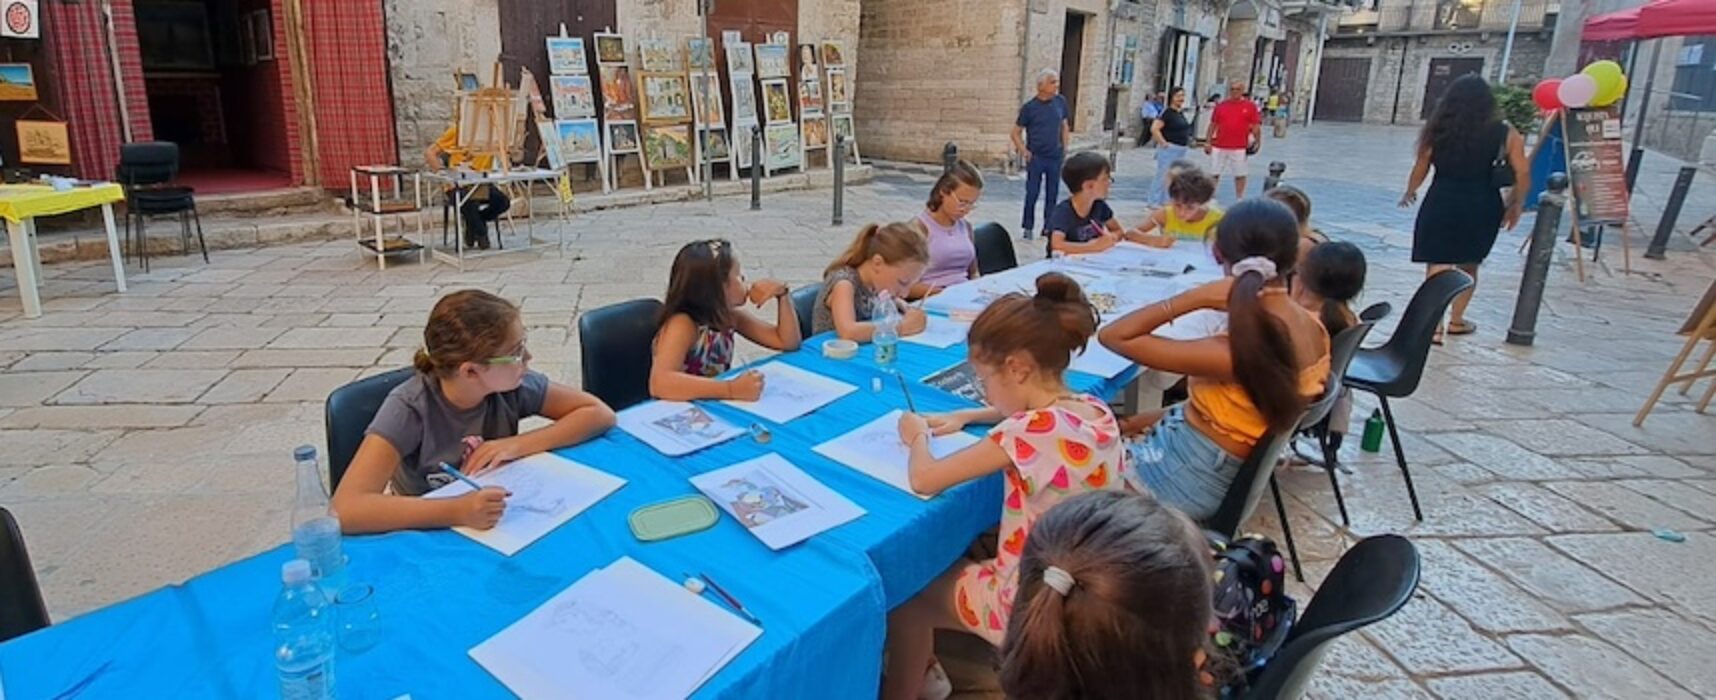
1611 84
1605 98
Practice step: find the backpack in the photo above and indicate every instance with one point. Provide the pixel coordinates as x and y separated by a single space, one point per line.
1253 612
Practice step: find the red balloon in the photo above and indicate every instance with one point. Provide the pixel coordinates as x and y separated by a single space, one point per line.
1545 94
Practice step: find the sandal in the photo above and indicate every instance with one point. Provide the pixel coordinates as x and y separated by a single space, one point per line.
1462 328
1436 338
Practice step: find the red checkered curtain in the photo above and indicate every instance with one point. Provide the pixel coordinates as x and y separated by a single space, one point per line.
76 40
347 42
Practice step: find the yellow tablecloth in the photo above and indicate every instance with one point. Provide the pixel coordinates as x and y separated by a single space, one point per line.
19 202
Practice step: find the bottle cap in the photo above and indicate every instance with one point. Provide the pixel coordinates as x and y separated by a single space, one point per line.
304 453
295 572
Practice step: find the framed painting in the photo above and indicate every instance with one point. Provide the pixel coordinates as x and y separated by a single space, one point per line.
43 143
610 48
566 55
739 58
807 63
18 83
700 53
833 53
664 99
842 125
781 148
809 98
574 97
777 102
551 147
815 134
715 146
619 96
667 146
743 137
838 92
657 55
623 137
580 140
772 61
706 88
467 81
744 100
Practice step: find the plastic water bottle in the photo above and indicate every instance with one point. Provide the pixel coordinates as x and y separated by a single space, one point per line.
303 636
315 526
887 335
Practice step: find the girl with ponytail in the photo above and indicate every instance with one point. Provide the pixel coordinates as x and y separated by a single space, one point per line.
1252 381
1049 441
462 408
880 266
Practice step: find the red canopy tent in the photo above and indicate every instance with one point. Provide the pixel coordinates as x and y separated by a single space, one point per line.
1614 26
1676 18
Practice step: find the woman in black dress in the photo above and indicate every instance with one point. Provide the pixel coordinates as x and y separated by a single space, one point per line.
1464 210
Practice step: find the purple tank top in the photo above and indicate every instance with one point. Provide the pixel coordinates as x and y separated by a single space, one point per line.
951 252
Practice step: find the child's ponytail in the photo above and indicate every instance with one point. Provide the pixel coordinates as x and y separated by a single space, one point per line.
1259 241
895 242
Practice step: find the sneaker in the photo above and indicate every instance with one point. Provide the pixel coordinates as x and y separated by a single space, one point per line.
936 684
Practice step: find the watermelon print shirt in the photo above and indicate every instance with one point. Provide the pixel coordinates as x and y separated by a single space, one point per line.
1056 454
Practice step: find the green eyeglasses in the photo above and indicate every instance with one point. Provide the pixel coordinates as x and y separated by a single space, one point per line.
516 358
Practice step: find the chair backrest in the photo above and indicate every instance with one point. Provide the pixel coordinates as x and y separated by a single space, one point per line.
994 249
615 341
347 416
1341 351
1248 485
804 306
1409 347
1372 581
1376 312
21 608
148 163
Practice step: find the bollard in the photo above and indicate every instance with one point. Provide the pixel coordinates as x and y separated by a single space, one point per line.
756 168
949 156
1549 206
839 155
1670 214
1633 162
1276 169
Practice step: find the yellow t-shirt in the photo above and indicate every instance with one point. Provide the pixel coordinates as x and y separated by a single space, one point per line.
1183 230
449 143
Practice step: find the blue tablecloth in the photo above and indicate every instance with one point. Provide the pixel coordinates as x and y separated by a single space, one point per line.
823 601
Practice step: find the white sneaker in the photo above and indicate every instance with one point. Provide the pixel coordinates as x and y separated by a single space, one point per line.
936 684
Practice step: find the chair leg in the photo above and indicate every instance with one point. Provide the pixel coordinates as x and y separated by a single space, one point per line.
201 243
1331 466
1286 529
143 241
1400 458
128 251
184 234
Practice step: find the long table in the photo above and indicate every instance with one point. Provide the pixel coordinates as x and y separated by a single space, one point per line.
823 602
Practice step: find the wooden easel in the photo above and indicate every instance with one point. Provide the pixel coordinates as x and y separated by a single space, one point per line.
487 122
1700 327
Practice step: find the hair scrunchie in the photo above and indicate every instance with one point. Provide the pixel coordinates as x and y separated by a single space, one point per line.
1057 578
1258 264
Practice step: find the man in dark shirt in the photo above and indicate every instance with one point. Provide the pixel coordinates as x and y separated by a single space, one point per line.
1040 136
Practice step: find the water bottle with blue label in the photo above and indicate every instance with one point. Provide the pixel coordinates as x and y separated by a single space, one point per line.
315 526
303 636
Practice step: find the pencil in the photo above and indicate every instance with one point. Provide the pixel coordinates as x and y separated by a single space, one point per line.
740 607
461 476
909 405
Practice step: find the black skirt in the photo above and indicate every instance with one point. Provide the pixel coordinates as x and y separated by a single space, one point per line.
1458 222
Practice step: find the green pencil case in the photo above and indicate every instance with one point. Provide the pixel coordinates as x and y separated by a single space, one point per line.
680 516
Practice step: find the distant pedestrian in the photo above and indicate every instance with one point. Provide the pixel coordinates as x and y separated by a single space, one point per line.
1236 128
1172 134
1040 135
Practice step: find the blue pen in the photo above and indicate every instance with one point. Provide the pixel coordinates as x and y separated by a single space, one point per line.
461 476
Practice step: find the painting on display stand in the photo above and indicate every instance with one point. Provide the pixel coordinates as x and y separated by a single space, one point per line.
781 147
742 138
840 108
623 137
580 140
833 53
807 63
739 59
744 100
706 87
619 101
667 146
610 48
772 61
574 97
837 87
664 99
566 55
815 134
551 146
715 146
700 53
810 98
843 127
777 102
657 55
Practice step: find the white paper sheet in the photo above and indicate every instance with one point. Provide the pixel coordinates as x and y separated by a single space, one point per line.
1099 361
941 332
875 449
790 392
776 500
676 428
620 632
547 490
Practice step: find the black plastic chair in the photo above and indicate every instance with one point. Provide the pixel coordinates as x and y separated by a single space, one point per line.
1371 582
994 249
21 608
1394 368
145 169
1257 471
1376 312
804 306
1342 349
347 416
615 341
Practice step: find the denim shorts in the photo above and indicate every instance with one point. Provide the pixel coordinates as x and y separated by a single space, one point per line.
1181 466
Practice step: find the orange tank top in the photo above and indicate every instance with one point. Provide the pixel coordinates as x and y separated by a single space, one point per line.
1229 410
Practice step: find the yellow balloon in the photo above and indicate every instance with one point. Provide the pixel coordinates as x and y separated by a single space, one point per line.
1610 81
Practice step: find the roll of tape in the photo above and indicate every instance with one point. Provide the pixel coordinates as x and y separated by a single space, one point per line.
839 349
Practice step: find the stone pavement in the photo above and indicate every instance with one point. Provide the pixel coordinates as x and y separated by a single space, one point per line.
147 435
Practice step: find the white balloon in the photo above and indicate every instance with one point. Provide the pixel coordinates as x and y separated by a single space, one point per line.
1577 90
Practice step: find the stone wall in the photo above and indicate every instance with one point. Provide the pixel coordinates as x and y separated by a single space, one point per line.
1387 53
427 40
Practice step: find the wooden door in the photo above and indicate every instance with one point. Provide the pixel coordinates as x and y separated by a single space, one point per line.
1443 72
755 20
1341 85
1072 60
526 24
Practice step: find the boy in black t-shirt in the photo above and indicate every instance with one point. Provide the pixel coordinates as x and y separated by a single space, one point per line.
1083 223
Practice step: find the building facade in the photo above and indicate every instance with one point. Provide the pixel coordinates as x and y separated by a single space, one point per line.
1389 61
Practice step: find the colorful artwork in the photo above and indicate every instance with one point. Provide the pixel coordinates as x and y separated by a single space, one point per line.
739 58
815 134
664 99
610 48
843 127
467 81
807 69
744 100
658 55
700 53
781 143
566 55
833 53
23 20
715 146
622 137
43 143
551 148
706 87
574 97
580 140
619 101
743 138
777 102
809 98
667 147
837 92
17 82
772 61
756 499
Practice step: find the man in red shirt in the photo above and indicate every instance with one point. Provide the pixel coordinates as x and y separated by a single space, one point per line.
1234 127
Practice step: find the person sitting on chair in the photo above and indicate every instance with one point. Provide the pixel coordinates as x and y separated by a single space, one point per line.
483 206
